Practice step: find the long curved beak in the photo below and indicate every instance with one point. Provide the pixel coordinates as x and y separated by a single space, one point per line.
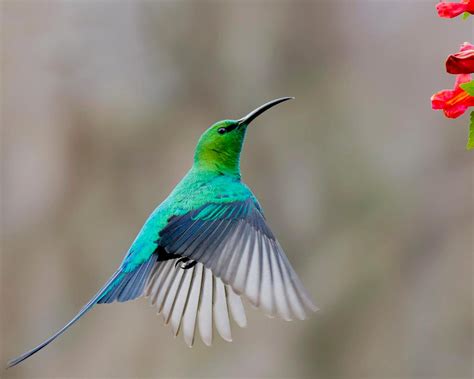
257 112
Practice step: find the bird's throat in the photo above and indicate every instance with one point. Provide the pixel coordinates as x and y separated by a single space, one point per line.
218 162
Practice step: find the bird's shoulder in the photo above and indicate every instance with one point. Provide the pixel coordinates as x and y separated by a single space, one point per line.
198 190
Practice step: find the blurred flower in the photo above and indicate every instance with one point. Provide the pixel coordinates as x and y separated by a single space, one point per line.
453 102
450 10
463 61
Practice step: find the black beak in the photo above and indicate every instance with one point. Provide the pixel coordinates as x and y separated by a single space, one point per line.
257 112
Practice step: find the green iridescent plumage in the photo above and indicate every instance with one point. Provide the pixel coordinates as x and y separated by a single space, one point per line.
213 223
214 178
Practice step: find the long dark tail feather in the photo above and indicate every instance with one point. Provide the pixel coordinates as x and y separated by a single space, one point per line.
107 287
122 286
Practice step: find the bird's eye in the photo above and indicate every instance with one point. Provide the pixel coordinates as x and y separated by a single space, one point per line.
221 130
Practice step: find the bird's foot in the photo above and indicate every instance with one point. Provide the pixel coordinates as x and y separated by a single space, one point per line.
184 260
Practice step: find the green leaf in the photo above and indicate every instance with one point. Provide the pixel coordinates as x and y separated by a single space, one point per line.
470 138
465 15
468 87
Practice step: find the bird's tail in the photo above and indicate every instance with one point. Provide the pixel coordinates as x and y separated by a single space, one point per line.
116 277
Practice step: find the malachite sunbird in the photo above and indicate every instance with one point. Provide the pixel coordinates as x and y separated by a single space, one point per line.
205 247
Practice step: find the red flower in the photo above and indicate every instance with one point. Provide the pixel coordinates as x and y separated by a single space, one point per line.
450 10
463 61
453 102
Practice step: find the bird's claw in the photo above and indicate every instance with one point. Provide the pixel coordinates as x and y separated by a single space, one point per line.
185 266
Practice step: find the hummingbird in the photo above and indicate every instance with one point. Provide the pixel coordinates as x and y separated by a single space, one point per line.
205 248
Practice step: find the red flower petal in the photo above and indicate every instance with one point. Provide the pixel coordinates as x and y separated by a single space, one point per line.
450 10
466 46
455 111
453 102
439 99
461 62
460 79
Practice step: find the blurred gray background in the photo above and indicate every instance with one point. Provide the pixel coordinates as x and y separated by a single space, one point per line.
369 191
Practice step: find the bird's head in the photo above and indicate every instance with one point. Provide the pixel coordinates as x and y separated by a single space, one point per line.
219 147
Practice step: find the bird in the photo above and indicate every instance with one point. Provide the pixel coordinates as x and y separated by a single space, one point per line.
206 247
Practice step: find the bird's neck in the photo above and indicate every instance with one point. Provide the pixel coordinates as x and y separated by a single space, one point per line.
223 165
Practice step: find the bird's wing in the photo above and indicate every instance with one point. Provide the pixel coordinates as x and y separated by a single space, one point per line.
194 297
237 255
